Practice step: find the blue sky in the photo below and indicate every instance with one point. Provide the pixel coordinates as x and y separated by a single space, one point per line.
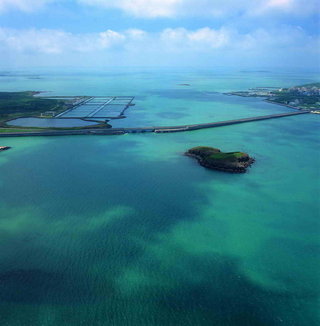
247 33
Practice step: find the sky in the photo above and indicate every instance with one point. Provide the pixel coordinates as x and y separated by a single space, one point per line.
217 33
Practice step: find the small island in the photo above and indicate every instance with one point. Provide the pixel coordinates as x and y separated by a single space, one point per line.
4 148
213 158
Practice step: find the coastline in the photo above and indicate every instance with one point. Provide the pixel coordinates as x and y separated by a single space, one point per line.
265 99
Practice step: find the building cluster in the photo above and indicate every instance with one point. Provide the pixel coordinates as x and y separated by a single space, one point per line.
307 91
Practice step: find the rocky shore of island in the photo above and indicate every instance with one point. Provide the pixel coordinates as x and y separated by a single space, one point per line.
213 158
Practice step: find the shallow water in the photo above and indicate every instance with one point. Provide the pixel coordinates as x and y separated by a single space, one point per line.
125 230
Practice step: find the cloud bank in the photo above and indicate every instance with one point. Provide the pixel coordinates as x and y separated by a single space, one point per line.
179 8
171 45
214 8
23 5
242 32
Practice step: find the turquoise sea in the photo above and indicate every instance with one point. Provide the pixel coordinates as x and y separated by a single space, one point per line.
126 230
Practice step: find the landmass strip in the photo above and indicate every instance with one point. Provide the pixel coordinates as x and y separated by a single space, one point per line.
166 129
304 97
13 105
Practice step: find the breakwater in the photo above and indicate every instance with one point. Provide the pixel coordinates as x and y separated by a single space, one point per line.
161 129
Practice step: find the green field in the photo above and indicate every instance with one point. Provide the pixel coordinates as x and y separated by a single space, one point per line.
24 104
15 129
210 153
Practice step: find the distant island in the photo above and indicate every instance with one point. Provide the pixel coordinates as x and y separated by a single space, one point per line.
4 148
213 158
304 97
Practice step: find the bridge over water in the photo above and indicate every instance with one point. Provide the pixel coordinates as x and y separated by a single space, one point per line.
160 129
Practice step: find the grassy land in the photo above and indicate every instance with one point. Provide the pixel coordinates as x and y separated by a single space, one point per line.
211 153
24 104
5 130
213 158
227 156
303 100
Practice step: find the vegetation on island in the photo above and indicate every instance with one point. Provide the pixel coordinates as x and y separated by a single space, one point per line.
304 97
15 105
213 158
17 129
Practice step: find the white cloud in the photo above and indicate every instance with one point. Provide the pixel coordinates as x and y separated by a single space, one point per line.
136 34
57 42
169 40
23 5
296 7
279 3
202 39
140 8
44 41
176 8
107 39
179 8
210 37
167 43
